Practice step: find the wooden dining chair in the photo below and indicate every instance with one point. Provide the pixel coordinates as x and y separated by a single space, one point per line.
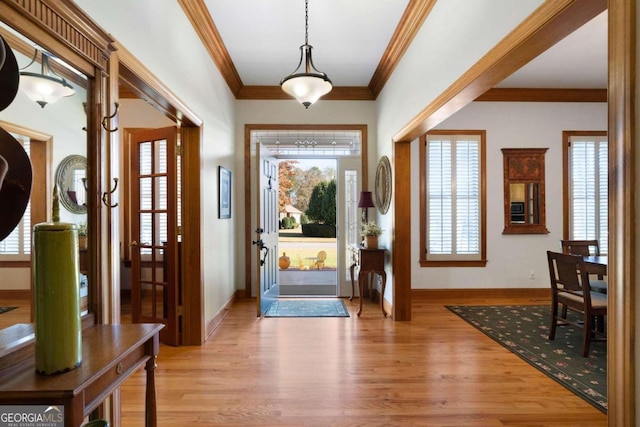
570 287
580 247
586 248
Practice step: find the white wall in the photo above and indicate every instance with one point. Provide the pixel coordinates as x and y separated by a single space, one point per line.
430 66
511 258
169 47
291 112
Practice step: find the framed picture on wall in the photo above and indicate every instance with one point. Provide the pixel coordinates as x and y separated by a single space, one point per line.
224 192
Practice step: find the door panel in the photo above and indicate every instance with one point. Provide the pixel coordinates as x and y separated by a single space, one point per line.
154 255
267 233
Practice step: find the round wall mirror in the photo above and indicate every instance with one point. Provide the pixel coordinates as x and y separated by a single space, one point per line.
383 185
71 180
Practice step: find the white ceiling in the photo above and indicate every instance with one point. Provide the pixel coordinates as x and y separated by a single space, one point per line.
350 36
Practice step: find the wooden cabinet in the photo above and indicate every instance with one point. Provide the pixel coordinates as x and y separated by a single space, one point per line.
524 191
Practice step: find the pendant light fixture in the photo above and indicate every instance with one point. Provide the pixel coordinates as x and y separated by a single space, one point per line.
306 85
45 87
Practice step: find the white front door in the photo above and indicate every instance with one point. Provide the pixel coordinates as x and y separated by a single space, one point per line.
266 242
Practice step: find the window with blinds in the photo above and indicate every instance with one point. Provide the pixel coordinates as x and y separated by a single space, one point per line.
17 245
454 200
587 188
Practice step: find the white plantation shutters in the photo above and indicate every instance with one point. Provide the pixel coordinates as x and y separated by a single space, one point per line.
588 202
453 199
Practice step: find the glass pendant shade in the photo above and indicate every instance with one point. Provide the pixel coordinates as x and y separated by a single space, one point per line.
306 84
307 87
45 87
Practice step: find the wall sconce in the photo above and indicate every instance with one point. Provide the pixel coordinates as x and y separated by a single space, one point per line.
366 202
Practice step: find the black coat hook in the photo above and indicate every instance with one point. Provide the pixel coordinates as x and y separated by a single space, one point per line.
105 119
107 195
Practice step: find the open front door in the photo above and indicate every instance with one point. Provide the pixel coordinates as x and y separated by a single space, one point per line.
154 254
267 232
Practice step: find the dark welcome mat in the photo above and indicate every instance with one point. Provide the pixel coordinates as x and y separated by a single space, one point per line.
307 308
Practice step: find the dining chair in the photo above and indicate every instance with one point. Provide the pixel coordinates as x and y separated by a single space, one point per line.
580 247
586 248
570 287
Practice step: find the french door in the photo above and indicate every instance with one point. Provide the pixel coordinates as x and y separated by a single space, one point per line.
154 240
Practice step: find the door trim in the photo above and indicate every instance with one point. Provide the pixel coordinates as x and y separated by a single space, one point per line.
144 84
249 175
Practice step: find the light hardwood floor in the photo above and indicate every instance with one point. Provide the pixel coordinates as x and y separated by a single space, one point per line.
436 370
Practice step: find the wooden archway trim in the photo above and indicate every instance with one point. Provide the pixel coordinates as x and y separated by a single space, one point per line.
552 21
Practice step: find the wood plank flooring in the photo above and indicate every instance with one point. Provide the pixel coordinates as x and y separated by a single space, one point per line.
436 370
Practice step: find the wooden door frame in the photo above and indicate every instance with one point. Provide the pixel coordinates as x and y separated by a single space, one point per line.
147 86
249 176
552 21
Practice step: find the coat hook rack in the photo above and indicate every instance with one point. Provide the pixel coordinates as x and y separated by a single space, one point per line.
107 195
105 119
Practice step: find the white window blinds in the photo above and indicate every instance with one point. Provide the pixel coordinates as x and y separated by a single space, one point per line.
453 197
588 168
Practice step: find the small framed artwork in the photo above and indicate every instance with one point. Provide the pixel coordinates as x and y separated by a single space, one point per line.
224 192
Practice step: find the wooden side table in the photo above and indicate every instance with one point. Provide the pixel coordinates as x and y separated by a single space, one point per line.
371 262
110 355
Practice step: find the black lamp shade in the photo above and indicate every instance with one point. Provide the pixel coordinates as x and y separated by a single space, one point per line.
366 200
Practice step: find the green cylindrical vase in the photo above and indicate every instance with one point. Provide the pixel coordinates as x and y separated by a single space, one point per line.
57 297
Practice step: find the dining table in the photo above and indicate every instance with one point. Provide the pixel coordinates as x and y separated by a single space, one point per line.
596 264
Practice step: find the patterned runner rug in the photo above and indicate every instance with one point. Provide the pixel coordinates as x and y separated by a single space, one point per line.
525 330
307 308
5 309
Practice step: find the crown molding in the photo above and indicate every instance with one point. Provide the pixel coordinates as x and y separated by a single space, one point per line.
201 20
338 93
411 21
543 95
547 25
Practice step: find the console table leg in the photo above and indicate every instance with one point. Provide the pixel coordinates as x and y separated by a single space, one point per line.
150 397
361 289
383 274
351 270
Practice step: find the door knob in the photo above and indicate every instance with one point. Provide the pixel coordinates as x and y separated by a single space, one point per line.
133 243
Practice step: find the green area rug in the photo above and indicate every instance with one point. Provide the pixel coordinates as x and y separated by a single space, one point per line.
525 331
5 309
307 308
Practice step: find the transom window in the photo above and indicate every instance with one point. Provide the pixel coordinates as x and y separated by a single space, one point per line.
453 198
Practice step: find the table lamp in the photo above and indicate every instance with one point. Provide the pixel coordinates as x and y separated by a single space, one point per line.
366 202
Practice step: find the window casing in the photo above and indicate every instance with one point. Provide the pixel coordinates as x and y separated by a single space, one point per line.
586 192
453 198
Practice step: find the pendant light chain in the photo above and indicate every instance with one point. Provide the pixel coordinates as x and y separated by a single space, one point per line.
307 84
306 21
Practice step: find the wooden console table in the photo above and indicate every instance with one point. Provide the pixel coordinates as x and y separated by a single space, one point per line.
371 262
110 354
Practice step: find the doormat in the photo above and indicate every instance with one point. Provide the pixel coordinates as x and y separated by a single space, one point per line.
524 330
307 308
5 309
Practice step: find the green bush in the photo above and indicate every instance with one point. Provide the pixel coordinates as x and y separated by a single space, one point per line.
318 230
304 219
288 223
